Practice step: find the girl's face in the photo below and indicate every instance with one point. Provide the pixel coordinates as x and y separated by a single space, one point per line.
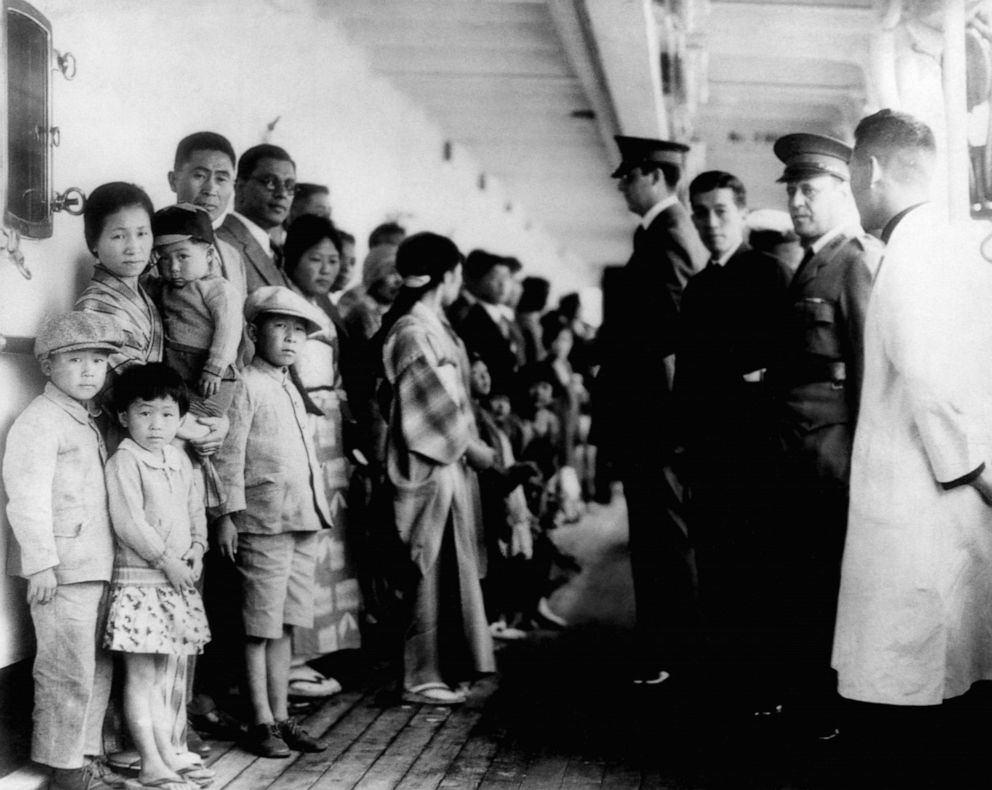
481 382
152 423
125 243
184 261
318 268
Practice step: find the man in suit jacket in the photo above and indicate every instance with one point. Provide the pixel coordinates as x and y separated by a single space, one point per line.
489 328
819 381
727 334
632 422
263 193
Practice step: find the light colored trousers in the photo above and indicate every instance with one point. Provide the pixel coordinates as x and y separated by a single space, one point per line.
72 674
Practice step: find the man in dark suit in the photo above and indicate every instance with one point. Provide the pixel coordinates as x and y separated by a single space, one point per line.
263 193
633 417
489 327
727 335
819 385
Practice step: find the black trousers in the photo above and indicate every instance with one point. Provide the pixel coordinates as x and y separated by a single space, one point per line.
662 566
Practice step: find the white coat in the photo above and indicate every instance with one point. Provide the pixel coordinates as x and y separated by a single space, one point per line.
914 619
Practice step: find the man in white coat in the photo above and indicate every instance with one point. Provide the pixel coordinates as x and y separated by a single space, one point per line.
914 620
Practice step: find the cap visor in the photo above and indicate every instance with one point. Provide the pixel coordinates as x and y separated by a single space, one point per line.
162 241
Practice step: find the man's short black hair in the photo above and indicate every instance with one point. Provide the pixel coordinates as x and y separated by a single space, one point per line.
250 158
346 238
150 382
671 173
718 179
386 233
304 190
889 130
202 141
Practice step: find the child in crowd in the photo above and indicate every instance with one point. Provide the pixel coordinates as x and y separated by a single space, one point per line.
57 507
275 506
542 428
160 524
200 309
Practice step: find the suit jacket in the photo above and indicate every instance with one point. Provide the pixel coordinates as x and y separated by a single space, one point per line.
260 269
727 328
822 361
632 397
503 355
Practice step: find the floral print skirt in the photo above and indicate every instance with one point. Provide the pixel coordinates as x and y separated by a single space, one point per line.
156 618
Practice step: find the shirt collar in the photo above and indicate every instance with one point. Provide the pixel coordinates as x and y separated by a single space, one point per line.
168 460
278 373
497 312
257 232
652 213
722 260
890 226
80 412
826 238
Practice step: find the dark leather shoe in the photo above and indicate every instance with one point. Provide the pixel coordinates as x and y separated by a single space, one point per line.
265 741
298 738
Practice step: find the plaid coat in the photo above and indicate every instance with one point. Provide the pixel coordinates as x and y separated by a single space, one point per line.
431 423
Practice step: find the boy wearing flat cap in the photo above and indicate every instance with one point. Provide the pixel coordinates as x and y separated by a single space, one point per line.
632 423
275 506
819 387
57 507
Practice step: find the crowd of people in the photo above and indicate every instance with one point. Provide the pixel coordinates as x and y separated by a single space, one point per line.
239 457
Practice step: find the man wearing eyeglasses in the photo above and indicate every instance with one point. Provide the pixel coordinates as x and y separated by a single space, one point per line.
263 193
633 416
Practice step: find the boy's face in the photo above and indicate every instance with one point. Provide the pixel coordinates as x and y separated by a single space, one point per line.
79 374
279 338
205 179
719 220
317 268
152 423
481 381
494 286
500 405
540 393
265 196
125 243
184 261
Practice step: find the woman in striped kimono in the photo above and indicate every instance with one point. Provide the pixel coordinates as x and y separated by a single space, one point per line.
433 447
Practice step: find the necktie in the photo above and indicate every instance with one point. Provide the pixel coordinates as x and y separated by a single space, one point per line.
276 252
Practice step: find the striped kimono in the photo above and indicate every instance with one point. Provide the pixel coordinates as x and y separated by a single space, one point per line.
133 310
436 498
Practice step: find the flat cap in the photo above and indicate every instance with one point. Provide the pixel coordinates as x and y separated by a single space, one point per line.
806 155
279 299
181 222
636 151
77 331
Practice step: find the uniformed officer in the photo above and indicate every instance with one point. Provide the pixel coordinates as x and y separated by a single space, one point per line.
633 418
819 382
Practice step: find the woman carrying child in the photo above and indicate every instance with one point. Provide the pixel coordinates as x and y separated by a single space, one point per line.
155 611
432 437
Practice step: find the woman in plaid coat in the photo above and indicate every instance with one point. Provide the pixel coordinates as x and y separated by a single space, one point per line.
433 448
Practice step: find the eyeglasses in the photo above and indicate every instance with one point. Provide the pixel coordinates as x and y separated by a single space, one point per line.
273 184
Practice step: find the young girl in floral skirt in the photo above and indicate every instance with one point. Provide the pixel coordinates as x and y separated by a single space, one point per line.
155 610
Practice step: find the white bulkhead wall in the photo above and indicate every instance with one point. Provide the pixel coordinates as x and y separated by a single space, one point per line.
151 72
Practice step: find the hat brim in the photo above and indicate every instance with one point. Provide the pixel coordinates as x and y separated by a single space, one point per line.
312 326
172 238
110 348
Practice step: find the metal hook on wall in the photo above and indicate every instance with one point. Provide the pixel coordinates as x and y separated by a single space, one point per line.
12 250
66 63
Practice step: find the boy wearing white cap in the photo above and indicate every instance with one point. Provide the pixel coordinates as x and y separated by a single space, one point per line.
57 508
275 506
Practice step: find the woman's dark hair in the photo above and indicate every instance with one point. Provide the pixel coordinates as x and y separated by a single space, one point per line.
149 382
420 255
569 306
108 199
306 231
534 296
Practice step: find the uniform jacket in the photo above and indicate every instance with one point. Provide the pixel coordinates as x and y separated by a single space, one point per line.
57 498
260 269
632 398
156 509
822 358
914 621
268 463
727 328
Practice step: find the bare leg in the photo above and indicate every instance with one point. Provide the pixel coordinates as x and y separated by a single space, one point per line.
279 655
256 667
144 708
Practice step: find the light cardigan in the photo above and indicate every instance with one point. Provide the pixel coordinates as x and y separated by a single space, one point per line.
156 510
